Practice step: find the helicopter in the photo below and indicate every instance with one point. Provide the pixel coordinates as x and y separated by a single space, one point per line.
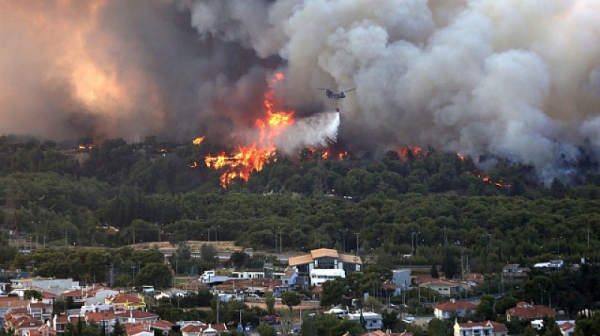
335 95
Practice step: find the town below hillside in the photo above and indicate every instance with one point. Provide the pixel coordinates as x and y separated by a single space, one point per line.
322 292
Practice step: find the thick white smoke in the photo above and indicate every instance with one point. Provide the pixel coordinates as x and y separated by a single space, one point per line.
319 130
506 79
514 79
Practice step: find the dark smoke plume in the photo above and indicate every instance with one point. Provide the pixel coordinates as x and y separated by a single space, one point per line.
508 79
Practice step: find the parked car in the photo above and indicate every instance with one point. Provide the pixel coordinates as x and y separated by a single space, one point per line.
271 319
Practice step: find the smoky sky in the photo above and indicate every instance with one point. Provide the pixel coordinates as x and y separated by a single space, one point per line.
509 79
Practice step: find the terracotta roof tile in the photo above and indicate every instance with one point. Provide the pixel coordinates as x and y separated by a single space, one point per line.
351 259
323 252
455 305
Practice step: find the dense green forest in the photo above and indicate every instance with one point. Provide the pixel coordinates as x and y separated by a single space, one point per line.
436 206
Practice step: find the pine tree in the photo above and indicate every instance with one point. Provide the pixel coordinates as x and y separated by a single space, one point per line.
118 330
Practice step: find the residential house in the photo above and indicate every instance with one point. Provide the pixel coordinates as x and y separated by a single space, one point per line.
44 284
10 302
135 329
77 296
49 298
392 289
39 310
550 265
454 309
402 277
59 323
526 311
136 316
170 293
44 330
105 319
388 333
319 276
489 328
289 278
194 329
514 272
372 321
323 259
98 295
21 325
126 301
444 287
566 327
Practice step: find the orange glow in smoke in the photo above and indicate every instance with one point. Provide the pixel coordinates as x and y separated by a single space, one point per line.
253 157
198 141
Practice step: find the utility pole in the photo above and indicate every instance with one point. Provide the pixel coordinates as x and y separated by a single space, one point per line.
111 274
281 241
462 271
588 238
218 307
357 245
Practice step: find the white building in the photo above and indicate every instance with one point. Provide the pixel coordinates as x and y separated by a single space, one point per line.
319 276
323 259
19 286
373 321
454 309
489 328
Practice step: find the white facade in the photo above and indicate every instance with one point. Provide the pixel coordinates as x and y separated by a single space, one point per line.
319 276
255 275
100 297
373 321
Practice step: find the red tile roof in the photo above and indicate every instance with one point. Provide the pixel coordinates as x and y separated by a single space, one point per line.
124 298
566 326
162 325
200 328
101 316
136 314
455 305
62 320
526 310
73 293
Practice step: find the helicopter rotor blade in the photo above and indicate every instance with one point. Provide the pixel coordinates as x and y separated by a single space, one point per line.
349 90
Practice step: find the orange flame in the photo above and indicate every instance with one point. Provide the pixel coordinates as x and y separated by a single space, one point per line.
486 178
461 157
414 150
198 140
325 154
253 157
